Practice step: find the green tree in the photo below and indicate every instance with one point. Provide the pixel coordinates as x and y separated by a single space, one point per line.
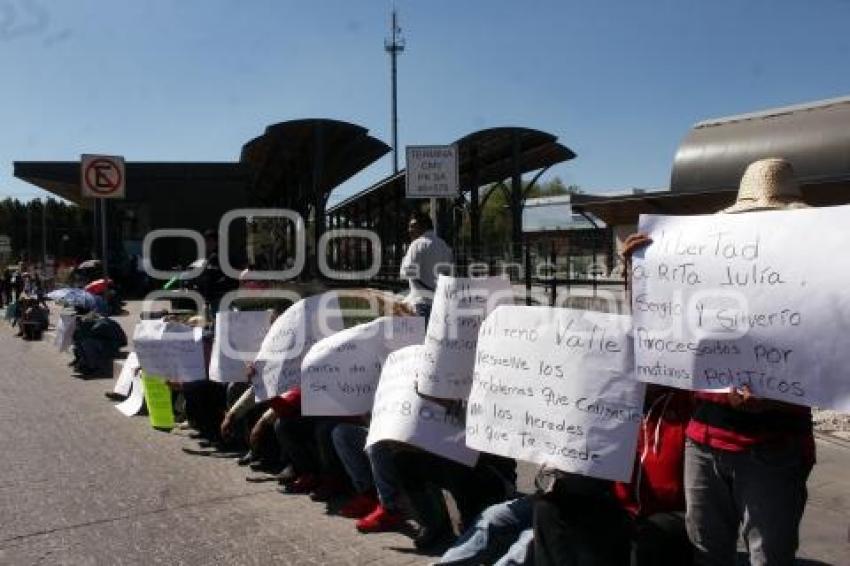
495 214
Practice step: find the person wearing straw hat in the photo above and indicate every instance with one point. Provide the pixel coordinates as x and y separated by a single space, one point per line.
747 459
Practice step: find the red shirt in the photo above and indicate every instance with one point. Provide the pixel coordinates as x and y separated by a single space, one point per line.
732 439
287 404
657 483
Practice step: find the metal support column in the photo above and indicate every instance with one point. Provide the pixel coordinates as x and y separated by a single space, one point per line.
516 198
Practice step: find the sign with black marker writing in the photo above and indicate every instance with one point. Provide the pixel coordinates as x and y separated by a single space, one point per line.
340 373
460 306
293 333
757 299
238 337
401 415
171 350
555 386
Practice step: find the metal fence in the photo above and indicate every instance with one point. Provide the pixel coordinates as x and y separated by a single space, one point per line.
549 269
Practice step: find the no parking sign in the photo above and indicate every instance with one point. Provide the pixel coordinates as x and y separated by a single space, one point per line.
102 176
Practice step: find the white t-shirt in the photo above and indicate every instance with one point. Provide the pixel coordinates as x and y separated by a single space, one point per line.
427 257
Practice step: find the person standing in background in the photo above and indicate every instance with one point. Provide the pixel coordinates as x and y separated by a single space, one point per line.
427 257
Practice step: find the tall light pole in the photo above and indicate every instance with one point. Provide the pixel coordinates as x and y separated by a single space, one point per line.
29 232
394 45
43 235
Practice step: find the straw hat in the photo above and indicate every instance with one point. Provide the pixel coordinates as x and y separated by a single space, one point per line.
768 184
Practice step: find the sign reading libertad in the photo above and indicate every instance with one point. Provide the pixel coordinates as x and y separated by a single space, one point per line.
756 300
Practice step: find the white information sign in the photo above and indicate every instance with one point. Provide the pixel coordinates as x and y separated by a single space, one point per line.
65 331
339 374
401 415
238 336
293 333
170 350
460 306
103 176
432 171
556 386
756 299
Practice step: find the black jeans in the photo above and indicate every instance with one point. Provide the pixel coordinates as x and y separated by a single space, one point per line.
473 489
308 444
591 529
205 406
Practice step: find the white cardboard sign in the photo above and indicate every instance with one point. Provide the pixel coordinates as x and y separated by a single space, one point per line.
129 369
555 386
460 306
401 415
756 299
293 333
237 341
65 331
170 350
133 404
339 374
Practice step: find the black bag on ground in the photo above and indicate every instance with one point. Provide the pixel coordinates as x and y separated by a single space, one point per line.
97 341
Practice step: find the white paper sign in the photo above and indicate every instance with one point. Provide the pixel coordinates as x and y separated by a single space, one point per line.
399 414
278 364
125 378
132 405
170 350
65 331
757 299
460 306
238 337
556 386
339 374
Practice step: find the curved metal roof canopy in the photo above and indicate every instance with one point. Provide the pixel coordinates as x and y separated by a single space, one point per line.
485 156
814 137
493 155
298 163
489 154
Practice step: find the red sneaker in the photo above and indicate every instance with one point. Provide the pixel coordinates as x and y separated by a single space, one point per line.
379 520
305 483
359 506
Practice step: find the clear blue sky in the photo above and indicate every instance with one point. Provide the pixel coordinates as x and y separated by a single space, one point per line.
619 82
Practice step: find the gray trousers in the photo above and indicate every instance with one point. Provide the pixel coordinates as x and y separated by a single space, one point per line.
760 493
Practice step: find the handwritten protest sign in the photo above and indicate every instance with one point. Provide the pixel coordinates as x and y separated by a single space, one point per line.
169 349
340 373
556 387
65 331
278 363
238 337
460 305
158 401
401 415
754 300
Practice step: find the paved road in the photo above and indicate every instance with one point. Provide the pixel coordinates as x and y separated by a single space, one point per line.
82 484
